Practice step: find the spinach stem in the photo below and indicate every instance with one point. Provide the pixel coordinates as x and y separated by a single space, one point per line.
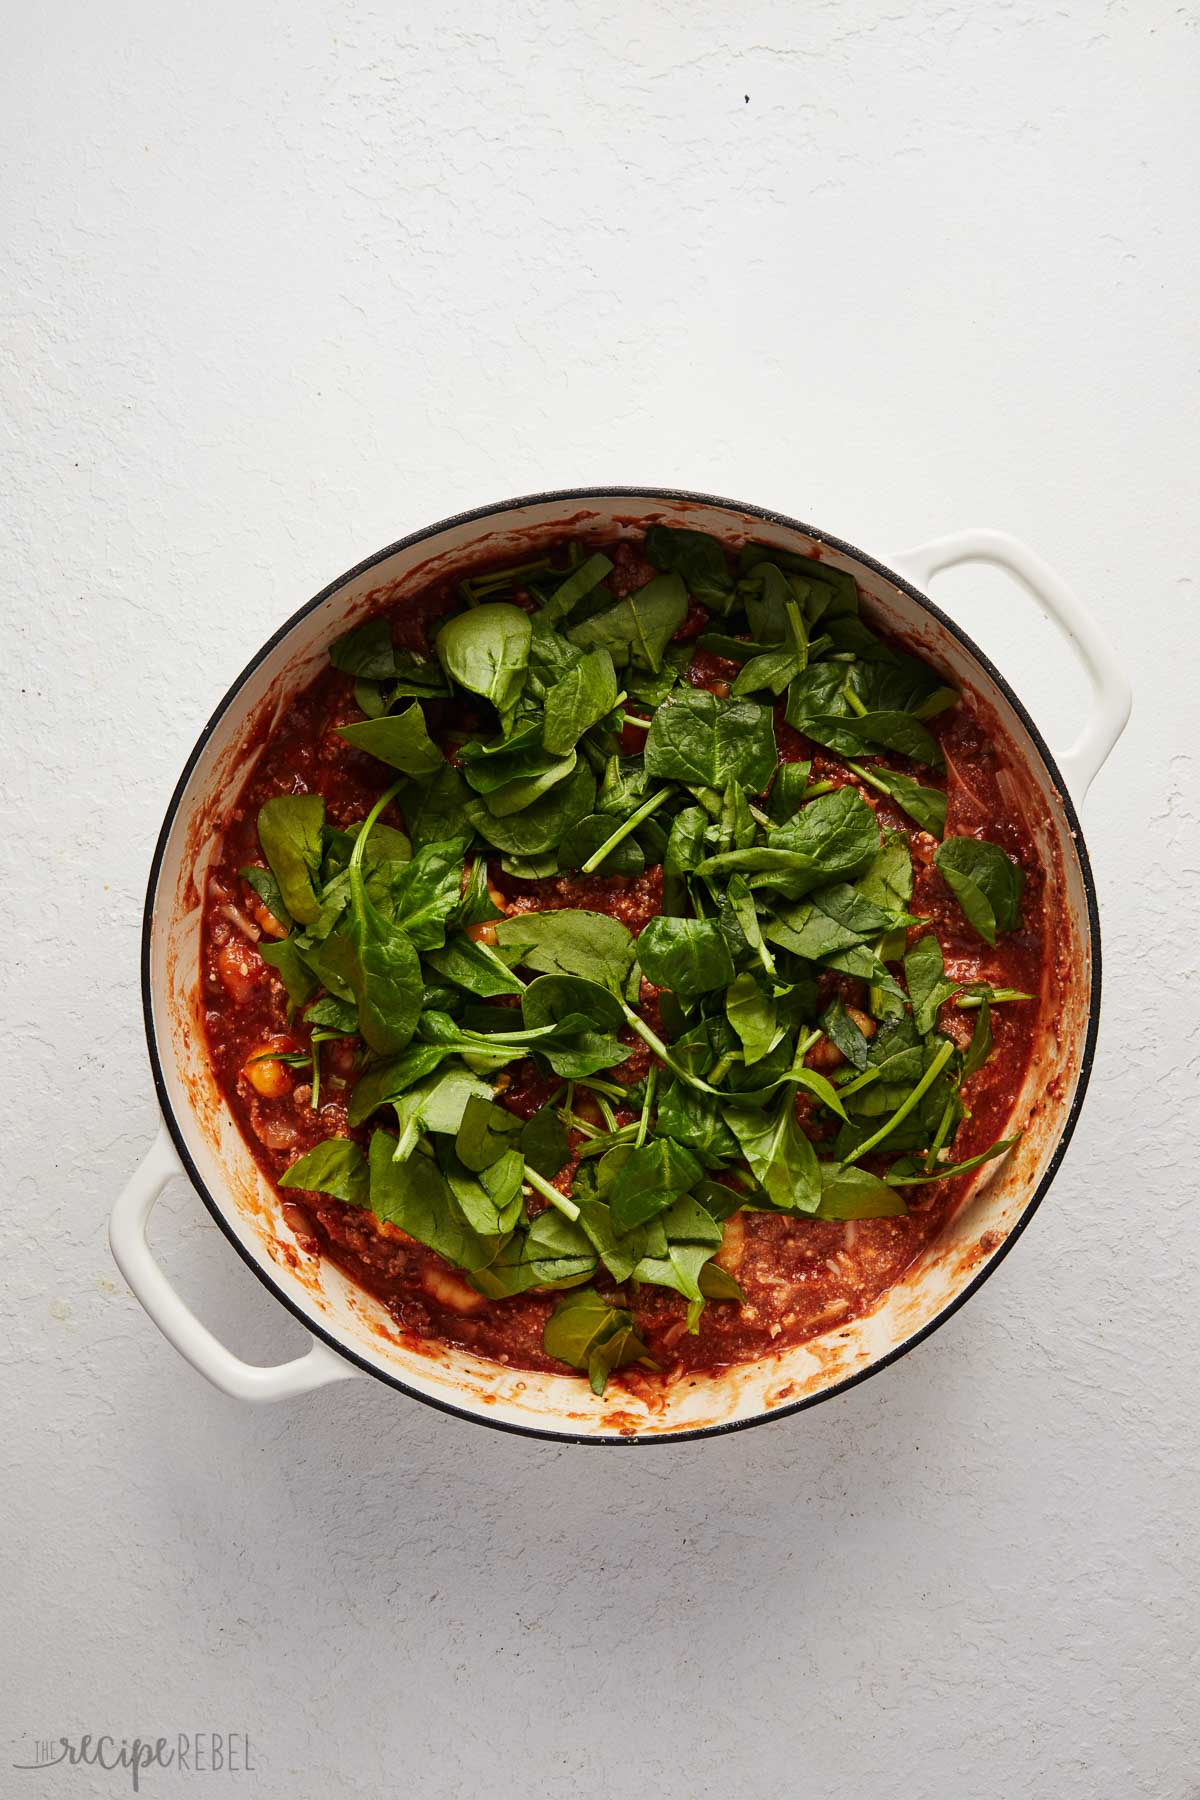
858 1081
611 1088
368 825
856 705
655 1043
902 1111
940 1135
998 994
623 830
818 787
803 1046
866 775
628 718
573 1122
567 1207
648 1102
799 634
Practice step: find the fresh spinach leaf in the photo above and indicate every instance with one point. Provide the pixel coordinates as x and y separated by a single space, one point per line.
985 881
695 556
336 1167
689 956
707 743
569 941
734 649
787 791
435 809
284 956
438 1103
887 680
569 593
853 1193
506 752
819 692
735 824
620 1252
693 1236
834 837
541 826
544 1143
473 967
841 588
485 1132
588 1333
980 1047
476 906
334 1014
899 731
399 739
268 891
694 1120
492 1201
684 853
780 1157
425 892
415 1195
775 668
837 917
841 1030
519 794
889 878
486 651
924 804
563 1001
552 1253
384 970
623 787
638 629
751 1012
366 650
651 1178
717 1283
585 1018
928 986
289 830
650 687
586 694
766 594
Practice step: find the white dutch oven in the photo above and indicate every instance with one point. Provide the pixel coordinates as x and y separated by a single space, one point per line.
351 1333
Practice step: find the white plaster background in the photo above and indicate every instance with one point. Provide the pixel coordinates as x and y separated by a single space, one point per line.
285 281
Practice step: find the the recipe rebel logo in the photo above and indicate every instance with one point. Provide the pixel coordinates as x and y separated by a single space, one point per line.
188 1752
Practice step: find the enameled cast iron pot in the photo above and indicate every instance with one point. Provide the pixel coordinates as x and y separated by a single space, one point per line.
352 1334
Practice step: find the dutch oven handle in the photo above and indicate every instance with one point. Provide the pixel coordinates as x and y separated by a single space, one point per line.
178 1324
1111 694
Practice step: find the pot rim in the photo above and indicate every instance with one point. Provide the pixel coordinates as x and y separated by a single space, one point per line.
492 511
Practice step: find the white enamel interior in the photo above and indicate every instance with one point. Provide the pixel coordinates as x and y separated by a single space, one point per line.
350 1318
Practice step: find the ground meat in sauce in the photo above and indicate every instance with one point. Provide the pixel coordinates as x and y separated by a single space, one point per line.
800 1277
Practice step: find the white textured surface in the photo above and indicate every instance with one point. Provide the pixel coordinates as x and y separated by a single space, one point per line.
288 280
